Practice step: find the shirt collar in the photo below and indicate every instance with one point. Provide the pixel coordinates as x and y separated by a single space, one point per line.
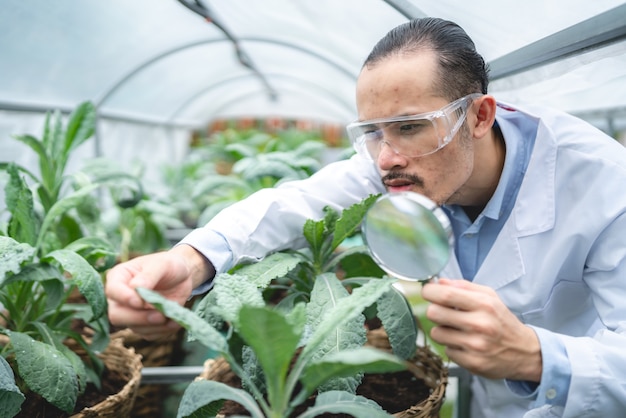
513 169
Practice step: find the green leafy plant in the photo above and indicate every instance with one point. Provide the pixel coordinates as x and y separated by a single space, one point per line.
52 183
272 338
230 165
47 259
319 326
135 224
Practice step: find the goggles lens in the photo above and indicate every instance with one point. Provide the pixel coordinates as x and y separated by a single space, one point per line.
411 136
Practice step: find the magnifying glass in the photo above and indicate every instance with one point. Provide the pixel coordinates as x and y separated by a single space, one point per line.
408 236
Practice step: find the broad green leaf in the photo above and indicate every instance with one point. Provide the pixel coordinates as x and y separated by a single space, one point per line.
54 139
85 277
310 148
98 252
271 267
89 244
11 398
398 319
126 189
346 363
34 144
337 402
252 370
101 338
350 307
202 398
24 223
203 332
211 183
46 371
206 309
55 339
330 218
12 255
5 165
314 234
274 340
234 291
327 293
354 262
61 207
49 276
78 366
241 150
80 127
350 219
264 168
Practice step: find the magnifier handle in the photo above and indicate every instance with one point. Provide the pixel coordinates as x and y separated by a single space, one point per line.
434 278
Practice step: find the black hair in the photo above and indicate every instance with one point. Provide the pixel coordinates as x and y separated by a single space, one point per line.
463 69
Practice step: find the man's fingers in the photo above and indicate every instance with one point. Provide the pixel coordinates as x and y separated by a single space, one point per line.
122 316
456 294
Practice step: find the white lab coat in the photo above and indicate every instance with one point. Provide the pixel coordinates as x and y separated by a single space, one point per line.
559 263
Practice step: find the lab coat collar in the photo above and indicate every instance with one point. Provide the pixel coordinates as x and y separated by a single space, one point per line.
534 213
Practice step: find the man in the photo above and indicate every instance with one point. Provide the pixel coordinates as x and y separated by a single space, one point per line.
537 207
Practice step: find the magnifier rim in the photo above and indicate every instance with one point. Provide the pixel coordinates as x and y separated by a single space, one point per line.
436 211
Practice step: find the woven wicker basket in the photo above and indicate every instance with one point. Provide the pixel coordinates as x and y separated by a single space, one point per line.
125 361
425 365
164 352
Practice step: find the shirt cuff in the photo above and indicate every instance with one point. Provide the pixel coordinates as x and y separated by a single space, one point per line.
555 376
215 248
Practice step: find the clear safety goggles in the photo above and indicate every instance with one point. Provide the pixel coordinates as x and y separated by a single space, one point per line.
413 135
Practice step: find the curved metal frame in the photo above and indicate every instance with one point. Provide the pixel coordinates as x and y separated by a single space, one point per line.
234 99
122 80
598 31
234 79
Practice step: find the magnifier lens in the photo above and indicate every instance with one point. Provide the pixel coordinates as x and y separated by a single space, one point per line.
408 235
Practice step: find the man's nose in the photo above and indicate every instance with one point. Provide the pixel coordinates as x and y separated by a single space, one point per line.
389 157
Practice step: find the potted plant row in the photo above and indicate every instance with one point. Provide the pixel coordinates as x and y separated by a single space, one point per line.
56 356
230 165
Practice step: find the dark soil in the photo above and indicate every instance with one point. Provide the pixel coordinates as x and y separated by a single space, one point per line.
35 406
394 392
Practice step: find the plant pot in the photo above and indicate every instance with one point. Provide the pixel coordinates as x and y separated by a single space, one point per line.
427 376
164 352
122 360
427 368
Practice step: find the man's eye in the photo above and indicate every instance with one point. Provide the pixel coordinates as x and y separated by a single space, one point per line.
372 134
410 128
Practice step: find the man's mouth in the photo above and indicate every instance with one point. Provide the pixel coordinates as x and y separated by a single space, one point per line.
398 186
396 182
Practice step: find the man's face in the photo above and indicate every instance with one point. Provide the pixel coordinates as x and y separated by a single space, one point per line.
400 86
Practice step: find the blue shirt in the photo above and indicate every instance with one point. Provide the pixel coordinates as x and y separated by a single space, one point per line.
473 240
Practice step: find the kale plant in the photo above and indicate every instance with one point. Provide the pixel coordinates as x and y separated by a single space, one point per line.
328 293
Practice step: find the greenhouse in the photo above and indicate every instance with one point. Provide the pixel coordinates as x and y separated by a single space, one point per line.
127 126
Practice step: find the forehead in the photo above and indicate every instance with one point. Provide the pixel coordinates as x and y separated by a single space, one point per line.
398 85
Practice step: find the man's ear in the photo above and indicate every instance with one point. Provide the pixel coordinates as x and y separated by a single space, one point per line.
485 108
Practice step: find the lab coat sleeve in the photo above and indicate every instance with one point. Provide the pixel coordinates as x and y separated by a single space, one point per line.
272 219
598 363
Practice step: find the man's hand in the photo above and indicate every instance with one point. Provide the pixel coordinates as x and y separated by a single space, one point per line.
480 333
172 273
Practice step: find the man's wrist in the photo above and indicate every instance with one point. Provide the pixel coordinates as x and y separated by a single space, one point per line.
200 268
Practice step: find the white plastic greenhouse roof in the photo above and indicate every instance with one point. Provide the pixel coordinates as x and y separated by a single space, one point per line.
160 62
